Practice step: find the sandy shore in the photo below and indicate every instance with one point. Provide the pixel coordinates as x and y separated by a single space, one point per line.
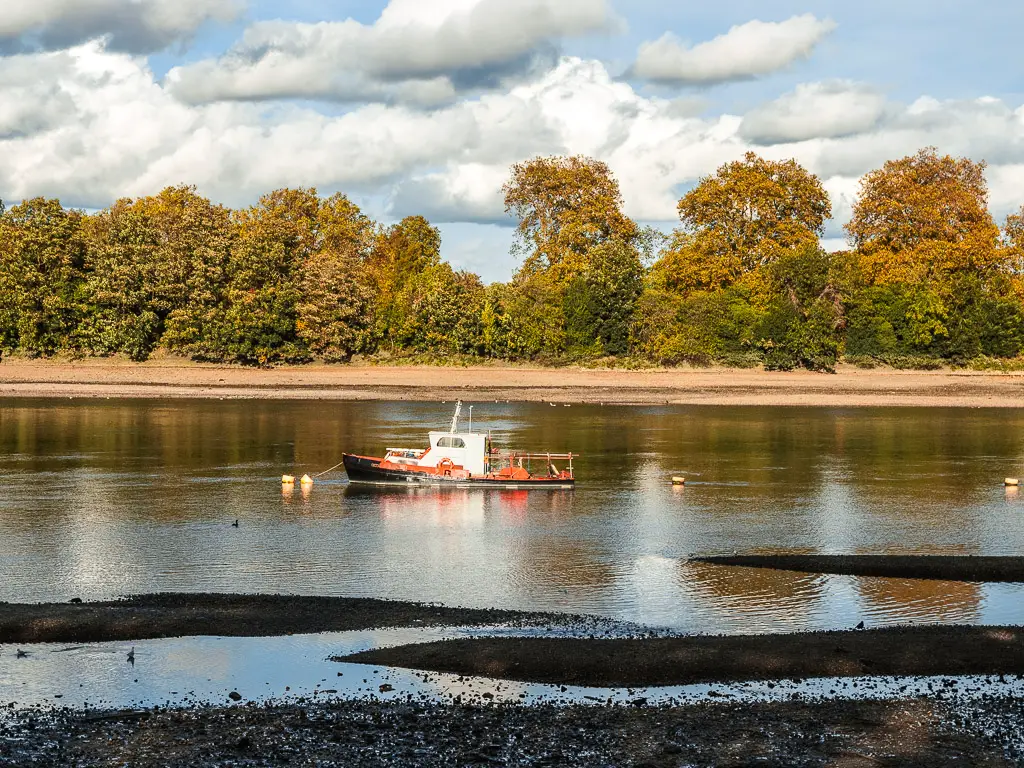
641 662
940 567
849 387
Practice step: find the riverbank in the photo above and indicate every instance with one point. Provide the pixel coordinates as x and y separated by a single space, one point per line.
184 615
939 567
850 387
361 734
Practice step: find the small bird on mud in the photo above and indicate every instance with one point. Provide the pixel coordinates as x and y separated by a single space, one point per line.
131 656
22 654
234 524
861 625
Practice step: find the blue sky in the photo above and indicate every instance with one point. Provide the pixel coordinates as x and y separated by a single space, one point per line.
421 105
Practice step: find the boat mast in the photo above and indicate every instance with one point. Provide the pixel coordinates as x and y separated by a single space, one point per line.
455 418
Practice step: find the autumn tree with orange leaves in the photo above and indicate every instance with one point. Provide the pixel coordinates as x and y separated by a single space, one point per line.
742 218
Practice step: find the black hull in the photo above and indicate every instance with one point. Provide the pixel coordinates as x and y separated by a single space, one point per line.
362 470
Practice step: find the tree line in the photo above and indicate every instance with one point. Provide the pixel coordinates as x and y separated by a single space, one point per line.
929 277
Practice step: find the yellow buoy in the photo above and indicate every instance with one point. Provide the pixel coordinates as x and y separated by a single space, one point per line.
1011 482
288 479
678 481
307 480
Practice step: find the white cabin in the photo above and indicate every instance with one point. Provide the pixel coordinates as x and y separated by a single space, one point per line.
465 449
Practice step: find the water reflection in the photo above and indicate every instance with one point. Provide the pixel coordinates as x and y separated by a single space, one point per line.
107 498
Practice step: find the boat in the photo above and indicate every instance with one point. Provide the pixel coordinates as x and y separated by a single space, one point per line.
461 460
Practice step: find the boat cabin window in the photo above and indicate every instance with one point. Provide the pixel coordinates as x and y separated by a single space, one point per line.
451 442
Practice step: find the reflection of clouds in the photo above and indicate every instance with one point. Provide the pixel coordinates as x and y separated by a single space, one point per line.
755 594
922 599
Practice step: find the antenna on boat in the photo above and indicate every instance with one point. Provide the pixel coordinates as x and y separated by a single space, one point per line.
455 418
471 418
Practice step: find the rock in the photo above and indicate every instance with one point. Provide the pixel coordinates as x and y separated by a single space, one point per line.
386 688
76 600
235 696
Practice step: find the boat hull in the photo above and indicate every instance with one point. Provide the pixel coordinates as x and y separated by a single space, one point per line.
365 470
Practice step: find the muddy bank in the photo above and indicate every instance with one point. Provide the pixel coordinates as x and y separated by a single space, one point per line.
181 379
917 732
180 615
941 567
643 662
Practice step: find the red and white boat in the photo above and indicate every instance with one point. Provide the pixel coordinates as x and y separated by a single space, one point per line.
461 460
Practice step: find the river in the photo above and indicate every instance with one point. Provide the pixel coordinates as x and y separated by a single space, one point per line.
112 497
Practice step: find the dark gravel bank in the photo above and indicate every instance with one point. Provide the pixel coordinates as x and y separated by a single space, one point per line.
919 732
634 663
941 567
181 615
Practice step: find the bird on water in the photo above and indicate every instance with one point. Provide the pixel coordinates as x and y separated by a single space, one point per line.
22 654
234 524
131 656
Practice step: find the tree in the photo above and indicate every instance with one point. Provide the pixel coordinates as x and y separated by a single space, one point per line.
333 313
742 218
599 303
42 275
923 217
803 317
400 253
566 206
444 311
154 263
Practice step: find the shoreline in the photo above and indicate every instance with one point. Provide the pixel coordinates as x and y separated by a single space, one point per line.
849 387
923 731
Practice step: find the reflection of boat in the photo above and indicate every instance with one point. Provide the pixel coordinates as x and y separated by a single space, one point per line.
460 460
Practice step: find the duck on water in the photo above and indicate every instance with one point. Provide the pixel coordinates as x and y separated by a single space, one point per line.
460 460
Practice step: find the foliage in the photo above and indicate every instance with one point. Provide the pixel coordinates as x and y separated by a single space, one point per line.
929 279
922 217
566 207
742 218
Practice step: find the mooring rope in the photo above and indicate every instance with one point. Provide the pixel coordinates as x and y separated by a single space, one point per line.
329 470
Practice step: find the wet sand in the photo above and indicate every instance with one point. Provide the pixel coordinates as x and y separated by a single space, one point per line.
183 615
850 387
632 663
940 567
845 734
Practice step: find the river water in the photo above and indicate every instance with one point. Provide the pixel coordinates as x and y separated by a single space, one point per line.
107 498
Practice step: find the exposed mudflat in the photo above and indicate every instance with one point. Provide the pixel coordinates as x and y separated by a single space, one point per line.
170 378
940 567
916 732
634 663
181 615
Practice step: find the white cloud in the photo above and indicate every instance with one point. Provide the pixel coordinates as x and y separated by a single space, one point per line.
135 26
89 126
746 51
419 51
815 111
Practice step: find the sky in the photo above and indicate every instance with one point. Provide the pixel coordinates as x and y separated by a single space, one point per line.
420 106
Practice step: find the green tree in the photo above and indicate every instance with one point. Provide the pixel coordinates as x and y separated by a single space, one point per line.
42 275
600 302
334 311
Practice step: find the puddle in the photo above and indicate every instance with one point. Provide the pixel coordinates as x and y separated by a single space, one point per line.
181 672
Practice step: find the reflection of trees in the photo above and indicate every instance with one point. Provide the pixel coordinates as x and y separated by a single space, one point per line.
922 599
755 591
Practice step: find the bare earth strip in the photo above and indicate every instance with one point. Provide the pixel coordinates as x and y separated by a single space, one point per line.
642 662
185 615
850 387
940 567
